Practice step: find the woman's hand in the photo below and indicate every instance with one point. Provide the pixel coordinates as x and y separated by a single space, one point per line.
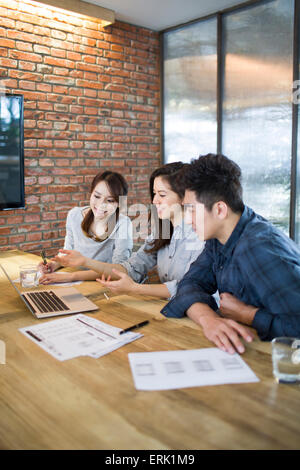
50 267
123 285
53 278
70 258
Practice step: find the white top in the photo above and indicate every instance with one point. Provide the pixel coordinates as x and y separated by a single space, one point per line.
114 249
172 261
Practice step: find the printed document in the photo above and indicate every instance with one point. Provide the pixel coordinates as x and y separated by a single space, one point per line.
78 335
168 370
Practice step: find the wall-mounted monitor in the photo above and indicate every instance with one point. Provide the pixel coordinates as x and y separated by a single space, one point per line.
11 152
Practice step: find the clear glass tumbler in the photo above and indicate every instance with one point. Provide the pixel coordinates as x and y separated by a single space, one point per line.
29 275
286 359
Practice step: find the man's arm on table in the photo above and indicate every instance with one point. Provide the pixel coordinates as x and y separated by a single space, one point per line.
195 299
273 276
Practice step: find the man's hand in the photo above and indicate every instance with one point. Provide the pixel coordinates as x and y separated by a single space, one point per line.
225 334
235 309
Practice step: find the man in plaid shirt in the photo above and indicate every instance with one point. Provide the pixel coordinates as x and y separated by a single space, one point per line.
253 265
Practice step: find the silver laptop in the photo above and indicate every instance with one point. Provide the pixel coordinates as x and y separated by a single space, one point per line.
50 303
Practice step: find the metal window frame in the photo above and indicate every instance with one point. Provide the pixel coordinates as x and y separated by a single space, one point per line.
293 194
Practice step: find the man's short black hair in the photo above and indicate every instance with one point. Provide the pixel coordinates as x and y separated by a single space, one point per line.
213 178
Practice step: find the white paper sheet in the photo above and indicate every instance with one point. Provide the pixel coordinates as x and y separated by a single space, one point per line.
78 335
168 370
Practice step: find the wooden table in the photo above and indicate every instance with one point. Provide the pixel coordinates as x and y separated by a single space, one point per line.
87 403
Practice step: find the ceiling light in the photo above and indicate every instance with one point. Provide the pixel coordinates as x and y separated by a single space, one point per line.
82 8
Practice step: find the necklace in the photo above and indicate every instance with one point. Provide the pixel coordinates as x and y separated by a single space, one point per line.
95 237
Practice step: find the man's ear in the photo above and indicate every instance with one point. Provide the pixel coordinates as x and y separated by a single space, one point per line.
220 210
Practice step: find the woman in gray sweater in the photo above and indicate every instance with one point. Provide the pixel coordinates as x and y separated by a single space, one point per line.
98 231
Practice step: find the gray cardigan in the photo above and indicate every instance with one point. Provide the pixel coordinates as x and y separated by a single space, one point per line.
114 249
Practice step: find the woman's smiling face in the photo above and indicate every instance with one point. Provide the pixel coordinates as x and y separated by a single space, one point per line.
167 202
102 202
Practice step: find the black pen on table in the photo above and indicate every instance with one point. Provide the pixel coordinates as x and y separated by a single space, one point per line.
133 327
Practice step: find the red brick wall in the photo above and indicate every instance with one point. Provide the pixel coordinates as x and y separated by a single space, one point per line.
91 103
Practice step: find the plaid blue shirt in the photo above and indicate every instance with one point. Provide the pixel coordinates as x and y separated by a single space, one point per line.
259 265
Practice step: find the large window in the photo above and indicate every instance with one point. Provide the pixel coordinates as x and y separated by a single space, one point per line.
190 78
253 94
257 108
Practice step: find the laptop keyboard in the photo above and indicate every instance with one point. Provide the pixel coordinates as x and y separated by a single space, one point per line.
47 301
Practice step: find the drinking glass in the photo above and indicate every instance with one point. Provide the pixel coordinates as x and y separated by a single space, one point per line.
286 359
29 275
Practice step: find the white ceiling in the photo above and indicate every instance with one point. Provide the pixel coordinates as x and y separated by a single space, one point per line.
162 14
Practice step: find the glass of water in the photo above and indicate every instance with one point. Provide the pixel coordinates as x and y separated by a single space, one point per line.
286 359
29 275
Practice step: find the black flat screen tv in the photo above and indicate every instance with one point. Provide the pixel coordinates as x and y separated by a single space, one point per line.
11 152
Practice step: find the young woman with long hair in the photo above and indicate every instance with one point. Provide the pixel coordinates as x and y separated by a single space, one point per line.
98 230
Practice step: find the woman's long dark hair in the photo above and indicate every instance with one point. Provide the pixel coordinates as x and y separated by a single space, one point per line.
117 187
171 174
